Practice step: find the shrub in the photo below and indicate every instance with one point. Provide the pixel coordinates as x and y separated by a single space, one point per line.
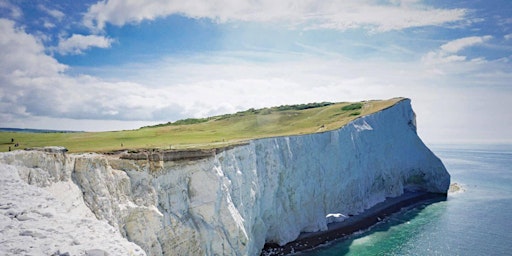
352 106
266 111
190 121
302 106
180 122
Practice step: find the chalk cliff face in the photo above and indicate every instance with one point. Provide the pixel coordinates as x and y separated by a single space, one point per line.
232 202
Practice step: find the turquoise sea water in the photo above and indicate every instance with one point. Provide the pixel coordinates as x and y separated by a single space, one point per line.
477 221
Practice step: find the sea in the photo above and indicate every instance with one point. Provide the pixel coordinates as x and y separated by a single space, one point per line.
477 220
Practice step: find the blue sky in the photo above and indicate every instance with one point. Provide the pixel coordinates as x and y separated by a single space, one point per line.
110 65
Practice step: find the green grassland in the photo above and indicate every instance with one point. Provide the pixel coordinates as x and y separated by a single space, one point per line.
211 132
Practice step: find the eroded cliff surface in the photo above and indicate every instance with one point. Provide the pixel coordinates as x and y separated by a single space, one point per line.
232 201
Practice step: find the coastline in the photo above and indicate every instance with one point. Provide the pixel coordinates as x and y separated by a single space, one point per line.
365 220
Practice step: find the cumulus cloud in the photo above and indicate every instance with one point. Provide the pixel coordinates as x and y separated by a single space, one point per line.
77 43
312 14
23 55
33 83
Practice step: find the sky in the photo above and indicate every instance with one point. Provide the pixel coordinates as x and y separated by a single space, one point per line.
122 64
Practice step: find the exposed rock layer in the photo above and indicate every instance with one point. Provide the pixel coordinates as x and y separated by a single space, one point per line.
232 201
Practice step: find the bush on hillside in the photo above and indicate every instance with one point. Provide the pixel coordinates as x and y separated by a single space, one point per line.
353 106
303 106
190 121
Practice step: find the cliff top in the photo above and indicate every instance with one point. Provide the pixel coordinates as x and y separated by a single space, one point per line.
212 132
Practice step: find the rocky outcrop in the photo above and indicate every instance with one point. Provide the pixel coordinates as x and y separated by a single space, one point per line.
168 155
49 149
42 211
233 201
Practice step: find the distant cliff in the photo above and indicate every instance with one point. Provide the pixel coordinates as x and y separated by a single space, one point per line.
233 201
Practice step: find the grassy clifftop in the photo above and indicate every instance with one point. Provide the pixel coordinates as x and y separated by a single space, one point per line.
211 132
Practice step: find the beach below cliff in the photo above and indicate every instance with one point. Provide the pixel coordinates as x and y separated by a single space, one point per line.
352 224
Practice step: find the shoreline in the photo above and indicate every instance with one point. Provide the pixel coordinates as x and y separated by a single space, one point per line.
337 230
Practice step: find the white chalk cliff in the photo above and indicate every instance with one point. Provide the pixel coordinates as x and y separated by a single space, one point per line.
230 203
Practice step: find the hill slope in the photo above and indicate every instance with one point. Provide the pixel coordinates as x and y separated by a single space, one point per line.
212 132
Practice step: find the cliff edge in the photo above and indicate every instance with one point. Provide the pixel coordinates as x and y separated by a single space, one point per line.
228 202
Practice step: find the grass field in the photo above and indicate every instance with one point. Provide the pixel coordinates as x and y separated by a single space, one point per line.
210 132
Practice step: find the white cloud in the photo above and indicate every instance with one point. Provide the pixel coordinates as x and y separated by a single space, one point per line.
313 14
459 44
508 37
34 84
77 43
48 24
52 12
23 55
14 11
448 52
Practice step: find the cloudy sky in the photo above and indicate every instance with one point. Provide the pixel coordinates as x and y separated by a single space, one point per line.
121 64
